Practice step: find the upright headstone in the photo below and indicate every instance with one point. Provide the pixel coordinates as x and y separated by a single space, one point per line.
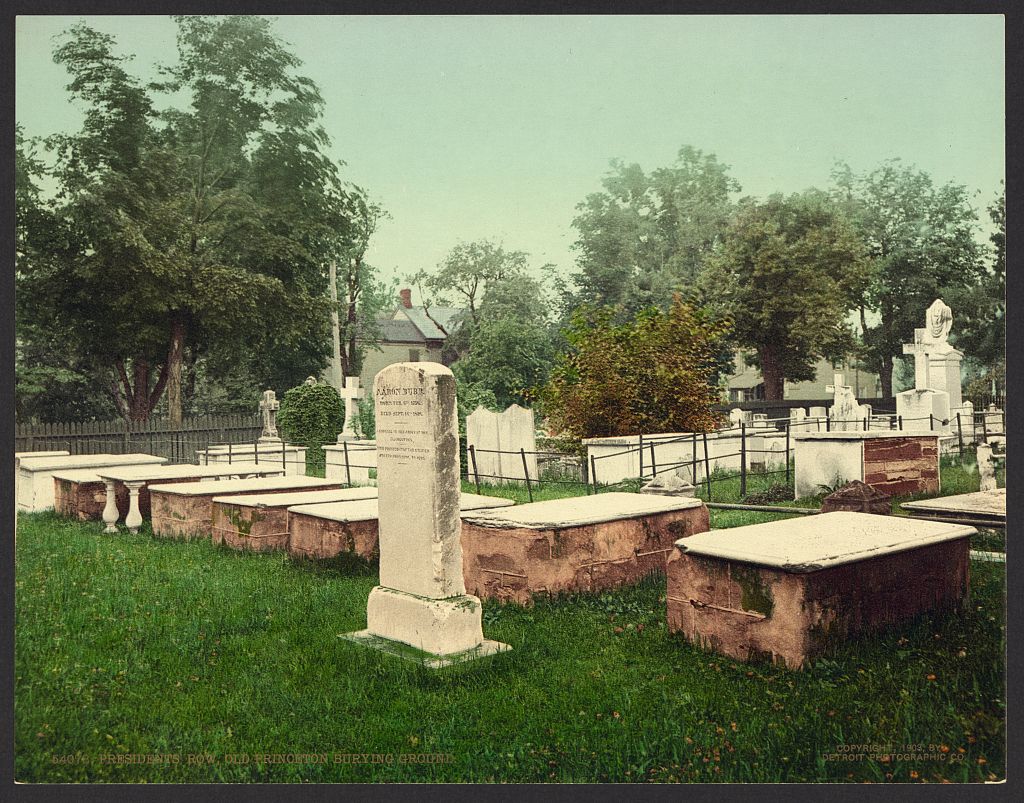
421 601
351 393
817 416
937 395
500 441
844 415
269 405
737 417
986 468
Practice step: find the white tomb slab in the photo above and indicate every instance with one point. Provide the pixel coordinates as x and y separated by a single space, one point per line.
362 458
577 511
300 498
811 543
230 487
291 458
368 509
35 474
980 504
421 601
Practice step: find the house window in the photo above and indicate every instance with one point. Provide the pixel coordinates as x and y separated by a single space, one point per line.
414 355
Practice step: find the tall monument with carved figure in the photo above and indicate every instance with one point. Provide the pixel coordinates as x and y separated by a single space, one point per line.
937 395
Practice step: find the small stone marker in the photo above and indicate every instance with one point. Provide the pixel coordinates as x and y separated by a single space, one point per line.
669 483
857 497
421 601
986 468
269 405
350 393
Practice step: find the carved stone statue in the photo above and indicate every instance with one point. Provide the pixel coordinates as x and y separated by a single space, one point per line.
937 323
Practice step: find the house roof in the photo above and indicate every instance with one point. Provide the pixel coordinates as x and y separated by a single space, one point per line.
399 331
433 322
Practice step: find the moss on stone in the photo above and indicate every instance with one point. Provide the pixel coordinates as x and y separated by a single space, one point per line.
757 595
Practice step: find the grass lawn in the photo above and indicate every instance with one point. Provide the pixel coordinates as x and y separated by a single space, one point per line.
210 660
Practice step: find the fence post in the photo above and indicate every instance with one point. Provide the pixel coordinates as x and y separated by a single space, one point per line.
789 426
593 473
284 458
743 459
984 425
230 452
693 458
256 452
476 475
348 471
931 421
866 422
828 423
641 455
960 435
526 473
899 421
707 464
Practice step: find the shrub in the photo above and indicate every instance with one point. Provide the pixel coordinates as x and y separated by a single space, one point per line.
311 415
655 373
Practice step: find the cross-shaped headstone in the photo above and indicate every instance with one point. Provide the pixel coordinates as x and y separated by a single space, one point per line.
350 393
920 351
837 387
269 405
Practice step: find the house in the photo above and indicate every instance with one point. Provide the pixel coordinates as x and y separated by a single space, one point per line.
746 384
408 334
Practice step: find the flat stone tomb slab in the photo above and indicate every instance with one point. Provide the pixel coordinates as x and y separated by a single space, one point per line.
185 510
894 463
259 523
82 494
980 504
327 530
580 544
786 590
35 474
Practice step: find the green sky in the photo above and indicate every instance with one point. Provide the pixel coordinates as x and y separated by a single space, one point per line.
497 126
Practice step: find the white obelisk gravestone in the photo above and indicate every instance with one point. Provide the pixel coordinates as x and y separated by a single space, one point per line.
421 601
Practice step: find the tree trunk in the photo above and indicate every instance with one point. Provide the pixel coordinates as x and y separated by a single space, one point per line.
885 376
139 399
771 371
175 355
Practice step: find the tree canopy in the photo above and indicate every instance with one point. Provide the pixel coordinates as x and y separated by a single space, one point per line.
201 222
645 236
787 272
919 239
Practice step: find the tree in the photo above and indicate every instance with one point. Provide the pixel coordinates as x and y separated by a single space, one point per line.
363 296
979 309
467 272
190 228
919 239
510 345
787 272
653 373
646 236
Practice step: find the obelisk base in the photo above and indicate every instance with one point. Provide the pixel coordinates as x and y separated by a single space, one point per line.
434 632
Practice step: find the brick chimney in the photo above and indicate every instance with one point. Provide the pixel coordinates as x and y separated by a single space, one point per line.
406 297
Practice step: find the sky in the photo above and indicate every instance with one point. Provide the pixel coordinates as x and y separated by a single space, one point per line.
496 127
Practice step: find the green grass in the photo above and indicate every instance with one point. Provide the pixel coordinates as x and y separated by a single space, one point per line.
132 645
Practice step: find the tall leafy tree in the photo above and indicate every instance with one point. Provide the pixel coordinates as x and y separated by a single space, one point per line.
919 238
195 226
787 272
979 309
467 272
645 236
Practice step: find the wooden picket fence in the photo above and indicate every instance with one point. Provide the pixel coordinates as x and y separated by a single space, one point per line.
155 437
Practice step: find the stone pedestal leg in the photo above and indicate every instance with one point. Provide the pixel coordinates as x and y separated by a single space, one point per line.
134 518
110 514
